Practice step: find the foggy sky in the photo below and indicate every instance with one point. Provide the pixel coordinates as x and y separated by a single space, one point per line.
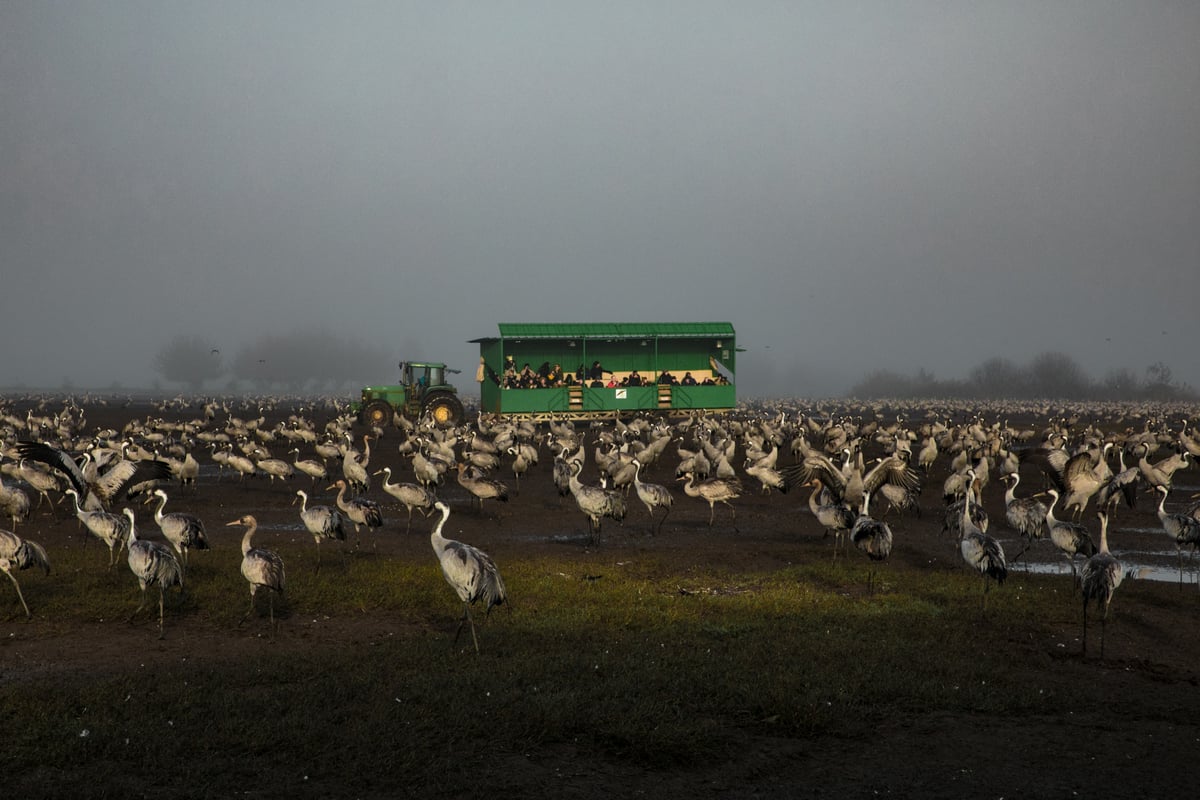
854 185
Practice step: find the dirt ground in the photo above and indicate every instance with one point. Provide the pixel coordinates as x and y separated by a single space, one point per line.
1153 651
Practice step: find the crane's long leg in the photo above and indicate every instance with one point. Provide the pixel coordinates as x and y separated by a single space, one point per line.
20 596
466 617
161 592
1085 605
141 605
1179 553
250 610
1103 624
662 520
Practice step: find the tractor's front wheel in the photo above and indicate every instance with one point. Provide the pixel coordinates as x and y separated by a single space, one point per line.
445 408
377 412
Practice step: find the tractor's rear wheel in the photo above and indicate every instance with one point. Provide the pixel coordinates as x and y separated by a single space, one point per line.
377 412
445 408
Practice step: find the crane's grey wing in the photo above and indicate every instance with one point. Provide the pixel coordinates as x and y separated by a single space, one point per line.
58 459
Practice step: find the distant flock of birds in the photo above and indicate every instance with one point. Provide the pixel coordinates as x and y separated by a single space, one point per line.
825 449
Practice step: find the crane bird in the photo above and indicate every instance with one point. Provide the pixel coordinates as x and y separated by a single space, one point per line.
99 492
354 464
652 496
713 491
260 567
1182 528
360 510
323 522
1025 515
1071 538
313 469
41 480
480 487
410 495
469 571
873 537
273 467
596 502
183 531
1102 573
112 529
153 564
14 504
980 551
833 516
18 554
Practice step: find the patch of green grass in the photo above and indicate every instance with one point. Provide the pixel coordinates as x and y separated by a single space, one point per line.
641 662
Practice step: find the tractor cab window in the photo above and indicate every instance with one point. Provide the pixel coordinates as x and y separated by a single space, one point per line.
423 378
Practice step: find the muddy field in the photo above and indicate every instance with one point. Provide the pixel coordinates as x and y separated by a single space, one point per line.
1147 749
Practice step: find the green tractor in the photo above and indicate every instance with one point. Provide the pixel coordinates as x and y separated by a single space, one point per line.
422 389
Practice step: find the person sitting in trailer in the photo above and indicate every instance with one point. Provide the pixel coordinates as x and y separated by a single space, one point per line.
666 379
635 379
612 381
688 380
556 375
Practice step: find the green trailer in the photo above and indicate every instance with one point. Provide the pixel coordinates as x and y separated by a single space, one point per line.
698 357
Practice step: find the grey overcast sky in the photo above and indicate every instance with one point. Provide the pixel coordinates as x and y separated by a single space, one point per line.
854 185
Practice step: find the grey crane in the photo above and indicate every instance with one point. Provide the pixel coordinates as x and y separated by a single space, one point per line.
410 495
481 487
768 476
14 504
469 571
105 487
595 501
1102 573
652 496
873 537
313 469
17 554
153 564
713 491
1071 538
1161 472
274 467
360 510
1183 529
184 531
521 463
354 464
112 529
261 568
1083 476
981 552
323 522
1122 485
40 480
1025 515
835 517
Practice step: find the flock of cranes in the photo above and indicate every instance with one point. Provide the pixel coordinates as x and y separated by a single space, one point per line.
861 470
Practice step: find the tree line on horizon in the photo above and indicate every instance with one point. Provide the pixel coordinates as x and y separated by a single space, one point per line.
1049 375
298 361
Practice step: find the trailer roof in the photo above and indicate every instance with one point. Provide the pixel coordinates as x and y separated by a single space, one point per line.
612 330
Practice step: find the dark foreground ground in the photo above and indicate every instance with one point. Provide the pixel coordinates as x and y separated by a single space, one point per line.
1148 749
